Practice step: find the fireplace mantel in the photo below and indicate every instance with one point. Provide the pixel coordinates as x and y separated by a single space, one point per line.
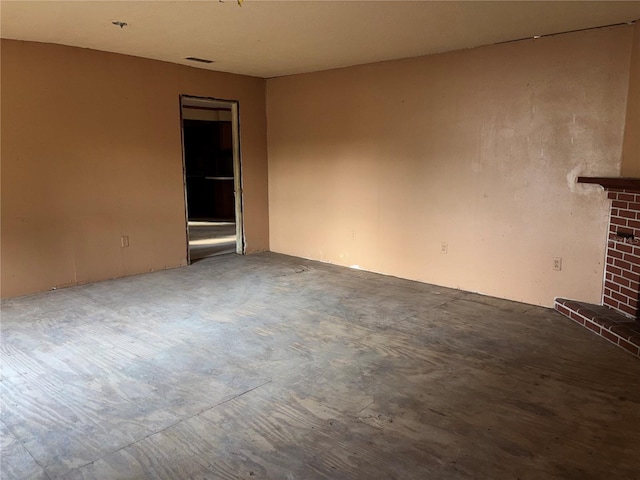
613 183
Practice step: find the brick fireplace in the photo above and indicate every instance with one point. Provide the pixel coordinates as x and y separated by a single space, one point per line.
622 271
617 318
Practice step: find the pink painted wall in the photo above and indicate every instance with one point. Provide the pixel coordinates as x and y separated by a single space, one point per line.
631 151
378 165
91 151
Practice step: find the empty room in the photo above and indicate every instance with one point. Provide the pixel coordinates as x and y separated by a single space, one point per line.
323 239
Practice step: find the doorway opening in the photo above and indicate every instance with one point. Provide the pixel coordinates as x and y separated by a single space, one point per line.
212 177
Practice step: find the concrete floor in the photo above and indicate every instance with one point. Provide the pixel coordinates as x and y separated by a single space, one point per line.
269 366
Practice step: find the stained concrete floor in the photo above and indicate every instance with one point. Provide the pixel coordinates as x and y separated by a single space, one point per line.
269 366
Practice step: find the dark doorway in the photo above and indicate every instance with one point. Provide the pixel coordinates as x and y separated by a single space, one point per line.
208 156
210 176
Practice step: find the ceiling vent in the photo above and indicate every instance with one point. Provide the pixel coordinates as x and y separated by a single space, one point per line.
196 59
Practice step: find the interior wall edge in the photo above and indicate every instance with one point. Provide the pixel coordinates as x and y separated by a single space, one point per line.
631 147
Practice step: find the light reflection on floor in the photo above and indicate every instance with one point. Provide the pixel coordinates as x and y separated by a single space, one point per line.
211 238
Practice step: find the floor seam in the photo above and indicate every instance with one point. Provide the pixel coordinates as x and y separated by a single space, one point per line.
167 427
22 443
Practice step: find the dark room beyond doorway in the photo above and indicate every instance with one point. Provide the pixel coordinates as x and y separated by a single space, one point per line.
209 177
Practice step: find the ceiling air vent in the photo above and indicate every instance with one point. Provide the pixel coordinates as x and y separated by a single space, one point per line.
201 60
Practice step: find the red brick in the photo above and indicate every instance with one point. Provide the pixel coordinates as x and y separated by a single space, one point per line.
610 260
635 268
614 270
612 252
623 247
634 206
613 243
609 276
593 326
610 303
629 293
627 309
621 281
622 264
633 223
619 221
619 204
627 197
577 318
611 195
563 310
612 337
630 347
621 298
611 286
614 212
634 285
632 258
627 214
633 303
631 276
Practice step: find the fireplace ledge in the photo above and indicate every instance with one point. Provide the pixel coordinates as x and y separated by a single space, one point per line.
603 321
613 183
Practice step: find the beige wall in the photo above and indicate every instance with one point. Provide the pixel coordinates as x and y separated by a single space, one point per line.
631 150
91 151
378 165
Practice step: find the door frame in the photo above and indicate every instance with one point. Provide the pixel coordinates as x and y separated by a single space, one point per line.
238 195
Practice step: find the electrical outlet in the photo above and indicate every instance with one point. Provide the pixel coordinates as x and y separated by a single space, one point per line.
557 263
444 247
124 241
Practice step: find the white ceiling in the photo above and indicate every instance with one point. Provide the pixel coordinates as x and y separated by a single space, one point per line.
269 38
